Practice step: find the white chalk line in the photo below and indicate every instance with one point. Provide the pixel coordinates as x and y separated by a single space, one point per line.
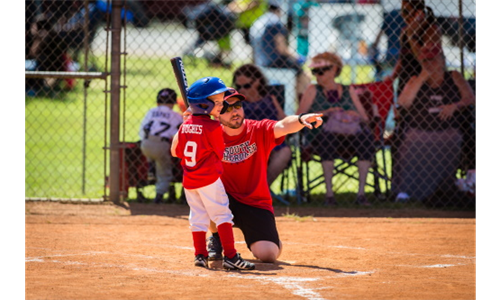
459 256
440 266
293 284
435 266
93 253
390 252
325 246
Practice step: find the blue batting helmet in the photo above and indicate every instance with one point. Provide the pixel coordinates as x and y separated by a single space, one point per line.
199 92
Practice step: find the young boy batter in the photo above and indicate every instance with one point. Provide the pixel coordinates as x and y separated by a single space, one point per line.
200 146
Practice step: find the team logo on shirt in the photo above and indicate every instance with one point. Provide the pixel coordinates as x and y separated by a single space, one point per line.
239 153
192 128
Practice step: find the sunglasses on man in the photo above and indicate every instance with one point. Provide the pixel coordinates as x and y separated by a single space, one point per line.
229 107
320 71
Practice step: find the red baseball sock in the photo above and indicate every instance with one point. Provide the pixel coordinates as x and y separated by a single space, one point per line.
200 246
227 239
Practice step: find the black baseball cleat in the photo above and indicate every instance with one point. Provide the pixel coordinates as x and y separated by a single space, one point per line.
214 248
237 263
201 261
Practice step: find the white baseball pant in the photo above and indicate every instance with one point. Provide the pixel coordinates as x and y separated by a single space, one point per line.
208 203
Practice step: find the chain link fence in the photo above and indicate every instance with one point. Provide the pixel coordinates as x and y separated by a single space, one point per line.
378 145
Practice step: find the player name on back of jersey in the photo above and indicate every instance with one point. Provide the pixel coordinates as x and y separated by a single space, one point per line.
192 128
161 114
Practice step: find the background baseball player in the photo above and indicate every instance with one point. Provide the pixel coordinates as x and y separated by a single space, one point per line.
200 146
156 132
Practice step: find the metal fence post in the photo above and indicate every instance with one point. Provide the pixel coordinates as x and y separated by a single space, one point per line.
461 36
114 167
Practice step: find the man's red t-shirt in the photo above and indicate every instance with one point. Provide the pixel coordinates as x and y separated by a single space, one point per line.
245 163
200 149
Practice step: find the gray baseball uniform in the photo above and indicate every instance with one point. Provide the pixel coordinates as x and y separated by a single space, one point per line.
157 129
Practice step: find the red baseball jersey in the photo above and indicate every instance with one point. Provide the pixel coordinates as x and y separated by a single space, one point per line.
245 163
200 149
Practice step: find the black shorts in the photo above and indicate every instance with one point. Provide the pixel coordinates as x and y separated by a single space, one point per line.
257 224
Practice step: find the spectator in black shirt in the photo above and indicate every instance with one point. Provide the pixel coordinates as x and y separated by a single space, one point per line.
430 151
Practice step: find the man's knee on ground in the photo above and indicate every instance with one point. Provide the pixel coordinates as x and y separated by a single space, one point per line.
266 251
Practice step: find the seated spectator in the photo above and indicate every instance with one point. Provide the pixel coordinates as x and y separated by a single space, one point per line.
430 151
259 105
269 36
74 27
58 28
346 124
156 132
421 28
47 49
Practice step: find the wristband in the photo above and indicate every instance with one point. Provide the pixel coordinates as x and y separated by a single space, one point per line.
300 116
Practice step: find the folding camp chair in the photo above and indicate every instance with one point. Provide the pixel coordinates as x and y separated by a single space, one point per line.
377 99
134 169
290 182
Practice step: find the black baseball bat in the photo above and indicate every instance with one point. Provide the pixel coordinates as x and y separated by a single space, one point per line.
180 76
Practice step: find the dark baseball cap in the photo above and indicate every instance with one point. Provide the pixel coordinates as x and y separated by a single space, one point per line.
233 93
166 96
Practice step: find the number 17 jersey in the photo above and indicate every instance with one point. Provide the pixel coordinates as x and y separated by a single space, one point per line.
200 148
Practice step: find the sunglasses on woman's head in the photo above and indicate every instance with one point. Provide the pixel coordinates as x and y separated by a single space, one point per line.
229 107
243 86
321 71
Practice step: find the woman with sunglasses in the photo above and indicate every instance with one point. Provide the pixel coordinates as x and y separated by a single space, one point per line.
259 105
338 102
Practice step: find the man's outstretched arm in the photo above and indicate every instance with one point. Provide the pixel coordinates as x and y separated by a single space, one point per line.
292 124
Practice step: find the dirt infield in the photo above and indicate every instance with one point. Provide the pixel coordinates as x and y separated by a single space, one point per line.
144 251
